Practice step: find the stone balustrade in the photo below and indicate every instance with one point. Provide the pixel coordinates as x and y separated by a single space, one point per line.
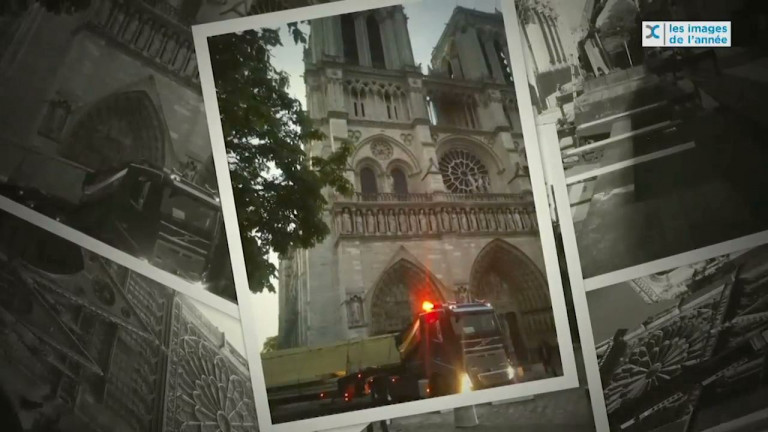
154 31
526 198
429 217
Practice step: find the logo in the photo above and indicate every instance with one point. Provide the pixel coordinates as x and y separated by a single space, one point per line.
686 33
652 31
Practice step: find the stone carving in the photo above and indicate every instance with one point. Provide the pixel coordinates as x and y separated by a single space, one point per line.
409 220
211 395
463 172
382 150
354 135
355 310
407 138
169 47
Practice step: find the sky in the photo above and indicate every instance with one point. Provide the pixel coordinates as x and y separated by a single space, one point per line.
426 21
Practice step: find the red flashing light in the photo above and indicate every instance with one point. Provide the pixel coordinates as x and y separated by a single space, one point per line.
427 306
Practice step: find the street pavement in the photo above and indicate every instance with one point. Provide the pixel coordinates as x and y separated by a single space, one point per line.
567 410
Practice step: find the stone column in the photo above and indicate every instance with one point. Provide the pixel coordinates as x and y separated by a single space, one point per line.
493 58
418 104
363 48
470 54
389 40
334 94
545 36
403 37
316 34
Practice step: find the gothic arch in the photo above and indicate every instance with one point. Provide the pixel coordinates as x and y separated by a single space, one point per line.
411 158
506 277
121 128
368 163
397 295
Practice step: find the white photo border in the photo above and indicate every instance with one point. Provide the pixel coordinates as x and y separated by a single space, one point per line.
360 418
119 257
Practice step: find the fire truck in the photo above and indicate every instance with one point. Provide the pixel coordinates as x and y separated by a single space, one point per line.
153 214
448 349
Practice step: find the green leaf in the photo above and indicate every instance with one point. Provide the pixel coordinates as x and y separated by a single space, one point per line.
281 209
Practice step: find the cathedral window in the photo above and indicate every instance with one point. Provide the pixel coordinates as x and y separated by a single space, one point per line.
506 67
368 183
463 172
375 43
349 39
399 182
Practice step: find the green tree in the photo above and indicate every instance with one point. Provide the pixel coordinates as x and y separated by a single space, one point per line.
270 345
278 187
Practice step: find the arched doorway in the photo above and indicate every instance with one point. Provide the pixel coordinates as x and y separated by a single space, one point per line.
506 277
398 297
122 128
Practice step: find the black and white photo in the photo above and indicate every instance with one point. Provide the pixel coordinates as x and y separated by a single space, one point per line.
380 186
89 345
662 148
686 349
102 126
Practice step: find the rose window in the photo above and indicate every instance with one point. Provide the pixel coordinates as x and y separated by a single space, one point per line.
463 172
212 397
659 357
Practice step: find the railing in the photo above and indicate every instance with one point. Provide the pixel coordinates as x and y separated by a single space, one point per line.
159 36
436 197
425 218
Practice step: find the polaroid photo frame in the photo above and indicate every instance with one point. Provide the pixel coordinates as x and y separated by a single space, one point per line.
74 311
129 261
368 415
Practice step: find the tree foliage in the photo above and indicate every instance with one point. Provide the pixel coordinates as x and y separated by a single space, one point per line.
270 344
278 187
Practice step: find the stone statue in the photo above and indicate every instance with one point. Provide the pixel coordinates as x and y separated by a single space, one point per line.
454 220
382 222
473 220
445 220
423 222
481 221
346 223
491 218
433 226
518 220
510 222
392 222
463 222
403 221
390 183
370 223
414 222
359 222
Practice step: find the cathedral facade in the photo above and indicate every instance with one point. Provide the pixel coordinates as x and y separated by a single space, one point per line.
443 209
113 83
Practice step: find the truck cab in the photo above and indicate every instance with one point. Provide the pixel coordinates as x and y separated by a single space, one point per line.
461 347
149 213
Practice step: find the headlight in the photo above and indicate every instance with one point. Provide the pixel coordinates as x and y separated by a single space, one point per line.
466 383
510 372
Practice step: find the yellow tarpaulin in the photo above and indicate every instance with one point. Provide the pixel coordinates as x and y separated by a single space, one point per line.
309 364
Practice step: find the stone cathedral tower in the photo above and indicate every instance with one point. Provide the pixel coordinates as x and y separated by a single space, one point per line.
442 209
